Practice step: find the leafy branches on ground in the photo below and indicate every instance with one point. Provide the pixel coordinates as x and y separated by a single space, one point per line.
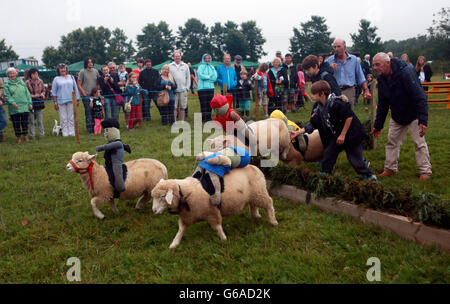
423 207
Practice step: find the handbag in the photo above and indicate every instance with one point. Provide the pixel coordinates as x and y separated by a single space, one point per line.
119 98
163 99
38 103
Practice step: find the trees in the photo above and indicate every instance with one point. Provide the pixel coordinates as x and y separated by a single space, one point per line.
439 32
119 50
156 42
193 40
312 38
254 38
6 52
366 40
216 41
235 43
52 57
79 44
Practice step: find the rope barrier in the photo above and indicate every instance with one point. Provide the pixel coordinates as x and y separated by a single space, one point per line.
297 91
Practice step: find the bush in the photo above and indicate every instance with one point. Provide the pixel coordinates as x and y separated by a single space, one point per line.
424 207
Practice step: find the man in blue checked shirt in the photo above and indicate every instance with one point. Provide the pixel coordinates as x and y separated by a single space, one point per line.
348 72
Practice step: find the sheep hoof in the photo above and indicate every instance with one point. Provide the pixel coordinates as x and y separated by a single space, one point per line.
275 223
173 246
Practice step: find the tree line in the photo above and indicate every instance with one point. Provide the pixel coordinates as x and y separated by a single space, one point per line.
194 38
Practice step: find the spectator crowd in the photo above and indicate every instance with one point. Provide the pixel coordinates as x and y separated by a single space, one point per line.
276 85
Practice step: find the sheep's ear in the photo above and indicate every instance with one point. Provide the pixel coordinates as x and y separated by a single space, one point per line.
92 157
169 197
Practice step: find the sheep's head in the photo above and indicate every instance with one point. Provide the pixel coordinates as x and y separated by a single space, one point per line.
165 195
79 161
221 142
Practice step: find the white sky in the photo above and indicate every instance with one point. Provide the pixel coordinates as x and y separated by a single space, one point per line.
30 26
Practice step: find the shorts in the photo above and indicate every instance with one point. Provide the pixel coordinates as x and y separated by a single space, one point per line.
263 99
289 97
181 100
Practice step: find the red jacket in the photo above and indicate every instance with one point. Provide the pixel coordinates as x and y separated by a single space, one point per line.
269 85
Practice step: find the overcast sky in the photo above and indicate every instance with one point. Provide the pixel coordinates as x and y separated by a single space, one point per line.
30 26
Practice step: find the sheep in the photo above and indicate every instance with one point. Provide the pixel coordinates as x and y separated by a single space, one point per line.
143 175
288 154
188 199
263 130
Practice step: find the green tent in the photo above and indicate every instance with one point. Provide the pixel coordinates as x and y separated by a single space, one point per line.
246 64
160 66
23 67
78 66
133 65
249 64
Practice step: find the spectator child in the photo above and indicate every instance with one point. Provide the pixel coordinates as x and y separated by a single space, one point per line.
96 105
244 87
345 128
369 82
133 89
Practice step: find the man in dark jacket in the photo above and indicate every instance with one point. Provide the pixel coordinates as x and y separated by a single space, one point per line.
399 90
291 85
148 80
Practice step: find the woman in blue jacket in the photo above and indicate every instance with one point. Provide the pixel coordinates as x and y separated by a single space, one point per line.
207 76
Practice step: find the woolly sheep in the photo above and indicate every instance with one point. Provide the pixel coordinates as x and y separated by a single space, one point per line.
143 175
263 130
288 154
188 199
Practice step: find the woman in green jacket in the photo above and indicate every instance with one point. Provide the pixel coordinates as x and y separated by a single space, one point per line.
19 104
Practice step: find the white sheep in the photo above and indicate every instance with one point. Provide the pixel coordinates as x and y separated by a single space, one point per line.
188 199
272 136
143 175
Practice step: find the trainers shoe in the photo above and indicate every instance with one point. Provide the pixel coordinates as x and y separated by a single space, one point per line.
371 178
386 174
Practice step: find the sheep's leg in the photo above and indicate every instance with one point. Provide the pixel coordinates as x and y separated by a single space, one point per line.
254 211
271 212
216 224
181 229
113 206
97 211
143 200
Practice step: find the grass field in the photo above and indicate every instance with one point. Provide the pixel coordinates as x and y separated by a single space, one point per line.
46 218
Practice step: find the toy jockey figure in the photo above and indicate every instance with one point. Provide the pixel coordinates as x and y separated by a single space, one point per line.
217 165
114 151
224 114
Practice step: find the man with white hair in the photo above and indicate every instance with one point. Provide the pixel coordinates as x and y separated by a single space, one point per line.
348 72
366 65
400 91
182 76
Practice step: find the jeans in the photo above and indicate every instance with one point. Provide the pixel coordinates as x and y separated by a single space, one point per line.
111 108
3 119
146 101
354 155
36 115
205 97
167 113
88 113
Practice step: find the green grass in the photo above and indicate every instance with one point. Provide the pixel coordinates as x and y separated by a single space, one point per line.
309 246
